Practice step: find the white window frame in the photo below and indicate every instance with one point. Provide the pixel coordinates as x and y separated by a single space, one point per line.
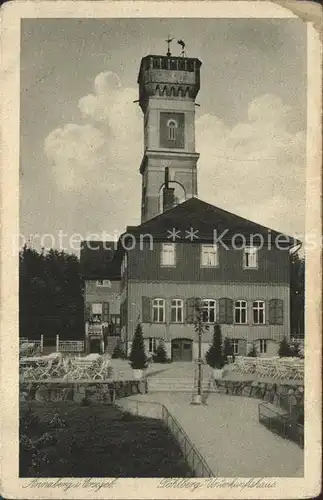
177 306
241 308
260 306
168 255
235 346
263 346
172 126
158 305
96 311
103 283
152 344
250 258
209 256
209 305
98 306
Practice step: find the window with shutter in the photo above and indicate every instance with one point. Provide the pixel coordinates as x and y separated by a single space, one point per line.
191 305
225 311
229 311
276 312
279 312
222 311
146 310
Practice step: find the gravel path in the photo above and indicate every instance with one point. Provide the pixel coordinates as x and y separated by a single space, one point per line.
227 433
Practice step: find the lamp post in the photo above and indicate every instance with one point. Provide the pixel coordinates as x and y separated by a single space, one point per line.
199 328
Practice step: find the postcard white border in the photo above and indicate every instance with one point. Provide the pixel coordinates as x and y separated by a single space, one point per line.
11 14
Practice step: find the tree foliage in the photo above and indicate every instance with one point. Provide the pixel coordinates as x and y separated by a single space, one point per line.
138 358
214 356
285 351
160 356
50 295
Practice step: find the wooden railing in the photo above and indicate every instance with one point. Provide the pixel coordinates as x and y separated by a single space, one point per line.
70 346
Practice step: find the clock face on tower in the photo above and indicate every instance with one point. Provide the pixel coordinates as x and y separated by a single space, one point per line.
171 127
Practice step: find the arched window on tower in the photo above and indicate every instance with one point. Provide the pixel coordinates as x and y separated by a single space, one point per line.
172 129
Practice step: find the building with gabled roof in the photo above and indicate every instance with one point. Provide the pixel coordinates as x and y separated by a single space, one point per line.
186 251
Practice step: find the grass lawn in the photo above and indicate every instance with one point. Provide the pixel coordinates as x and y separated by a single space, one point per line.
95 441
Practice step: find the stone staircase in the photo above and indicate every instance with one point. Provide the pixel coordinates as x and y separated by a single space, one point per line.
173 377
156 384
112 343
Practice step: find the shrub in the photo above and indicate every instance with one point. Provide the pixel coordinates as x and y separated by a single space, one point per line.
285 350
160 356
118 353
214 356
296 350
138 358
253 352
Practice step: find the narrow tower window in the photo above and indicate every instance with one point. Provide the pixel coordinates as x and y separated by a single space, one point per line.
172 127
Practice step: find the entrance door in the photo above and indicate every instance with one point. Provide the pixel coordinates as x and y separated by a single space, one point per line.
95 346
182 350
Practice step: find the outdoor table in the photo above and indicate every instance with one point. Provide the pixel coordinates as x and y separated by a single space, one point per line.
32 360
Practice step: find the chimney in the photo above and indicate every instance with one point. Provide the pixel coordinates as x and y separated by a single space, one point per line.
168 193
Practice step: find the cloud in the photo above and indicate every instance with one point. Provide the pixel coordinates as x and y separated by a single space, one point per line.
105 147
76 152
255 168
112 105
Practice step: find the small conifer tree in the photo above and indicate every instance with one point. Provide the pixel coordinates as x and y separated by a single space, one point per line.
160 355
284 350
138 358
214 356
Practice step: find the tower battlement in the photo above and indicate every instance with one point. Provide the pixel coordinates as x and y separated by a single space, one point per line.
168 76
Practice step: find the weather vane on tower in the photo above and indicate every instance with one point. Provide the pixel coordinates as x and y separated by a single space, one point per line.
168 41
180 42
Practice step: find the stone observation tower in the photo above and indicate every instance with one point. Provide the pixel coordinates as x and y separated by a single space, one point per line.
168 87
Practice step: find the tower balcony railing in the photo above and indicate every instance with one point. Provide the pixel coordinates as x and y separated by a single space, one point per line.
170 63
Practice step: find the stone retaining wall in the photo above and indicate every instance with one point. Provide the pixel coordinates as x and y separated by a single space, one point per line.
86 392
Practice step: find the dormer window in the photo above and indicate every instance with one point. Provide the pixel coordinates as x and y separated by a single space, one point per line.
172 129
250 258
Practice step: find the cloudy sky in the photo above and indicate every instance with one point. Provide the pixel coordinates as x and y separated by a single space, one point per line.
82 135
